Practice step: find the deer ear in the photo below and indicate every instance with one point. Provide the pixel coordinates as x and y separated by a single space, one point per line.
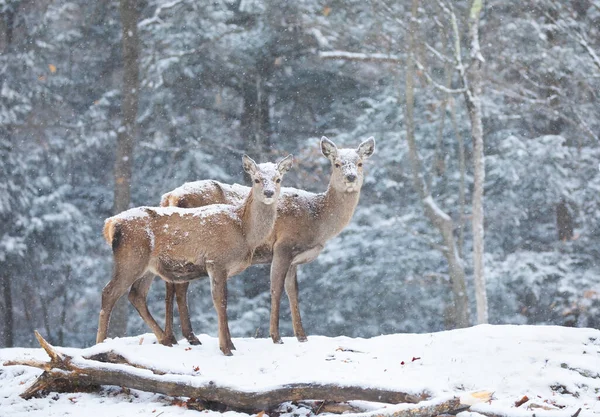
285 164
249 164
328 148
366 148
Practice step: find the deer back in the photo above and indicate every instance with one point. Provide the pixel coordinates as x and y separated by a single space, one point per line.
203 193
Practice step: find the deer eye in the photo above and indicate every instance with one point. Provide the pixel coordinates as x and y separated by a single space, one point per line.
257 181
337 165
278 180
360 164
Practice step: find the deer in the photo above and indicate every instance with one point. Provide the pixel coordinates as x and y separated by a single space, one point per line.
305 222
180 245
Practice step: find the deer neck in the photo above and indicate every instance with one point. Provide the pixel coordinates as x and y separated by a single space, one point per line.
258 220
337 210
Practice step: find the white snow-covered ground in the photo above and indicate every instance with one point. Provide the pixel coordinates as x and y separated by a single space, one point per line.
557 368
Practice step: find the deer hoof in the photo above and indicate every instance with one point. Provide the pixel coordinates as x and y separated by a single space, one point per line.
168 340
302 338
277 340
193 340
226 352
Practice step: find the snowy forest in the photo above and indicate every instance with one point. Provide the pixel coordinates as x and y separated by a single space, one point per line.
106 105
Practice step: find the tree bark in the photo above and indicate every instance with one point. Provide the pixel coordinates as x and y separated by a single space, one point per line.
462 168
255 122
127 132
8 331
442 222
564 221
473 100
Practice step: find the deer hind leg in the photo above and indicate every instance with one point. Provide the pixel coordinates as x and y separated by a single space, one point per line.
123 278
218 287
291 289
184 314
137 297
169 296
279 267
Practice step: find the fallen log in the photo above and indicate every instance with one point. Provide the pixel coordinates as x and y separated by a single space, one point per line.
64 373
438 407
451 406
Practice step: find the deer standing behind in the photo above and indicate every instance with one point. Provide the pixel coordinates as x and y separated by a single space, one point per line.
183 244
305 222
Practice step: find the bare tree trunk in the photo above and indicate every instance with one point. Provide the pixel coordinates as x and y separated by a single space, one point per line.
256 129
462 167
8 332
436 216
473 99
65 307
127 132
255 122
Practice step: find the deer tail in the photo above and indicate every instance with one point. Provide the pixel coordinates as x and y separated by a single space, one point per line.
165 200
112 232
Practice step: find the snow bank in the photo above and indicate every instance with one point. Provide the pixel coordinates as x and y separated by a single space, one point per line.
557 368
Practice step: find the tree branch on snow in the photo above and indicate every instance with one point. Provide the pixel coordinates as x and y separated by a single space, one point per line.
66 374
451 406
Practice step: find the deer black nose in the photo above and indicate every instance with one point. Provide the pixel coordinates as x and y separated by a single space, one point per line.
269 193
351 177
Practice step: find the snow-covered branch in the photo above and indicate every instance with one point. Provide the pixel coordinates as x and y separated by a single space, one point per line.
156 17
574 34
363 57
437 85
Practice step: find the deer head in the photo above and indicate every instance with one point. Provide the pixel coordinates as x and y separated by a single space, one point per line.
266 178
347 175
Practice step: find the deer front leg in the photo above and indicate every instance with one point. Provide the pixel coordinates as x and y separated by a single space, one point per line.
279 267
291 289
218 287
184 314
